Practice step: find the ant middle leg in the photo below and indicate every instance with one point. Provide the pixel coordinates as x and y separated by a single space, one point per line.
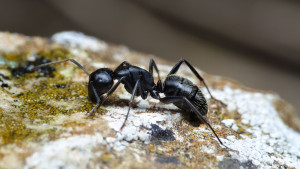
195 72
137 84
159 83
151 65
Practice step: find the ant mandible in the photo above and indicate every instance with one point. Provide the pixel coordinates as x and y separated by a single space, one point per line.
140 82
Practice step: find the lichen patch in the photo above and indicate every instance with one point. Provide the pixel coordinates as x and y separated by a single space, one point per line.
267 129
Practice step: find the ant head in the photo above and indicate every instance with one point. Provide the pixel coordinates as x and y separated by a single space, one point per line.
101 80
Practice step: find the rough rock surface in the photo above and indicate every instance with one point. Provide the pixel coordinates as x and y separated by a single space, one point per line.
44 122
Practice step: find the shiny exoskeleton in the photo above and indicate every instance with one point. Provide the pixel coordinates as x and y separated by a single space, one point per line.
182 87
140 82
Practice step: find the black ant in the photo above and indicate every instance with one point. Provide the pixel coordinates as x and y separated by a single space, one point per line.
140 82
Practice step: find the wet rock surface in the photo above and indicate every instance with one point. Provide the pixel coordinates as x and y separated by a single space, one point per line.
44 121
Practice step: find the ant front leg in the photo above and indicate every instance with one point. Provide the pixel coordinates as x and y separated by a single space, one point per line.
174 99
177 66
97 100
99 103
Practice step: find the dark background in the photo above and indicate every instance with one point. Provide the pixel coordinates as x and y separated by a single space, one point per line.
254 42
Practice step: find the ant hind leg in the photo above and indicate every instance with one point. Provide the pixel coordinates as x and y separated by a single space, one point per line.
195 72
173 99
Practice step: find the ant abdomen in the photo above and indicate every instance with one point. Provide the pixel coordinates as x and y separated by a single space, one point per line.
179 86
200 103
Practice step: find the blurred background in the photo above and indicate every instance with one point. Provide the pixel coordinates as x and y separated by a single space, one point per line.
254 42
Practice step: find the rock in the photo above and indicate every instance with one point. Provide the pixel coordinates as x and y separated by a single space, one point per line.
44 122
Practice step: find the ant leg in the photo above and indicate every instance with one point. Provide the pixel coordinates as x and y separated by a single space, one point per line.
178 64
173 99
50 63
99 103
130 104
113 88
151 65
97 99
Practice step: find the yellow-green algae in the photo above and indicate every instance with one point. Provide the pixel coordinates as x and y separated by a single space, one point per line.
42 102
36 109
37 101
13 129
51 54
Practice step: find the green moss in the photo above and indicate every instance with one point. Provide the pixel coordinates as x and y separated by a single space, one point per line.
14 130
55 54
43 102
48 98
13 60
10 64
14 57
